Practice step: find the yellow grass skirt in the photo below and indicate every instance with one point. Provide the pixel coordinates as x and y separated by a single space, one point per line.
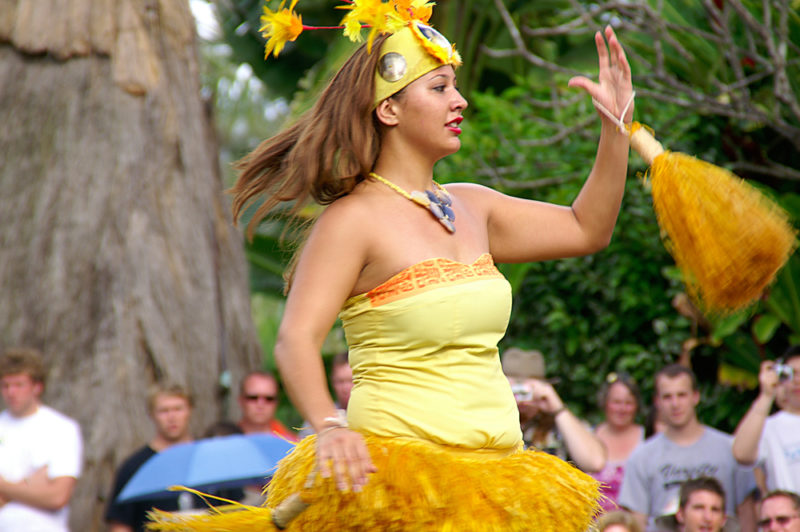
423 486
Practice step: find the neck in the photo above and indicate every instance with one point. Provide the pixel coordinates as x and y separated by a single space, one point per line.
29 411
408 170
686 434
618 430
250 427
159 443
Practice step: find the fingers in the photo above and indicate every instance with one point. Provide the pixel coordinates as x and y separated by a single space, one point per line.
617 53
343 455
767 378
581 82
602 50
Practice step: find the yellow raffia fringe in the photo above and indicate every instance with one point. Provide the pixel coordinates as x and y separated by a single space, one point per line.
420 486
728 239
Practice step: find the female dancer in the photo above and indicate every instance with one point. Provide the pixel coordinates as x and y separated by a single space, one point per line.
432 438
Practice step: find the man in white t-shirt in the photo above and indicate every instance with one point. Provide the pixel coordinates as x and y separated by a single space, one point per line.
40 450
774 442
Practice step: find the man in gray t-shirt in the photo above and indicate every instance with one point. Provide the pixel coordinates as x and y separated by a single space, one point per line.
686 449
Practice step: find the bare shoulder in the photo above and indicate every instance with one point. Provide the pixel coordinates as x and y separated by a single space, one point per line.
335 252
477 198
344 211
343 225
471 191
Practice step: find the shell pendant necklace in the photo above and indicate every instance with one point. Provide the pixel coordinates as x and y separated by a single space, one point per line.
438 201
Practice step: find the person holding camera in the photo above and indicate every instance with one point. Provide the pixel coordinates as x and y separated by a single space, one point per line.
545 421
773 442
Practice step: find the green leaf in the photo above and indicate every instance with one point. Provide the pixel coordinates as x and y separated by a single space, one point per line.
764 327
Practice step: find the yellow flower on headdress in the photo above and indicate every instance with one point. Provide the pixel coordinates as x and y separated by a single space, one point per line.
381 17
280 26
420 10
437 45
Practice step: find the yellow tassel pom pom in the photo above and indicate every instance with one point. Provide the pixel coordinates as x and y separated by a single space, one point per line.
728 239
421 486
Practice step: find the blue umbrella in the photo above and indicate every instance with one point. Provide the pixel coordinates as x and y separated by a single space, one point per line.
212 463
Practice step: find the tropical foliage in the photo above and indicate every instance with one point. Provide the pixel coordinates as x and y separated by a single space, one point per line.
717 79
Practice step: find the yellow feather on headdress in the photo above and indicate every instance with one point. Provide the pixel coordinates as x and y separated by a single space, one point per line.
379 16
280 26
420 10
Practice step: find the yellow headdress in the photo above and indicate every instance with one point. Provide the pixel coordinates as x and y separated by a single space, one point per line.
412 50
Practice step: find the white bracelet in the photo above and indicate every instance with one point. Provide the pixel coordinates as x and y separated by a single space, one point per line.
339 421
618 121
328 429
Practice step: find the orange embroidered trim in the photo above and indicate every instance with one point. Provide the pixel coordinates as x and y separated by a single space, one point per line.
431 274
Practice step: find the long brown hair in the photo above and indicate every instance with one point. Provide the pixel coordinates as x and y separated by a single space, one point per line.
324 154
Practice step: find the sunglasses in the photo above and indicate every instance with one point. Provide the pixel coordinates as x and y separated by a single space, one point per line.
265 398
781 520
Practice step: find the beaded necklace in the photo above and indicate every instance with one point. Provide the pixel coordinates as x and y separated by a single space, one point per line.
438 202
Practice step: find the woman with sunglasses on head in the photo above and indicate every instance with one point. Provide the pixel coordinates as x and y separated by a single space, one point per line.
619 399
432 438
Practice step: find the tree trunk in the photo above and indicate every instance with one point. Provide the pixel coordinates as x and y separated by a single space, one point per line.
117 255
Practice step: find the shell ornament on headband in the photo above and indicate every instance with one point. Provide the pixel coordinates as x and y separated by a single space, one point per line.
284 25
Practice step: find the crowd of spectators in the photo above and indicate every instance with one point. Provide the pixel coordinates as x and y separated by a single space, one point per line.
685 476
680 475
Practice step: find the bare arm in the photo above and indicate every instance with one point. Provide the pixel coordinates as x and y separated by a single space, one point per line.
748 433
39 491
326 273
119 527
588 224
584 448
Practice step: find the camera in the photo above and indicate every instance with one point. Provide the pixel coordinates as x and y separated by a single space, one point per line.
785 372
523 391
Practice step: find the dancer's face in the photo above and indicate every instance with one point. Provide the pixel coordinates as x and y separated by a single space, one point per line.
429 113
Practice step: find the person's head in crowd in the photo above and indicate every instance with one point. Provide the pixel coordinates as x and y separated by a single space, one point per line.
258 400
618 521
170 408
522 367
22 379
702 505
342 379
779 510
676 396
619 399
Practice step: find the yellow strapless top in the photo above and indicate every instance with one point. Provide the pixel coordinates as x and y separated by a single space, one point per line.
423 348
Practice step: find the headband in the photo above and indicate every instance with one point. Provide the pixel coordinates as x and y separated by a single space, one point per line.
412 50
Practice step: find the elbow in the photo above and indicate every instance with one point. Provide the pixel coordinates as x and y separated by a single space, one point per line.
599 242
741 456
595 464
592 459
591 465
280 352
58 501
